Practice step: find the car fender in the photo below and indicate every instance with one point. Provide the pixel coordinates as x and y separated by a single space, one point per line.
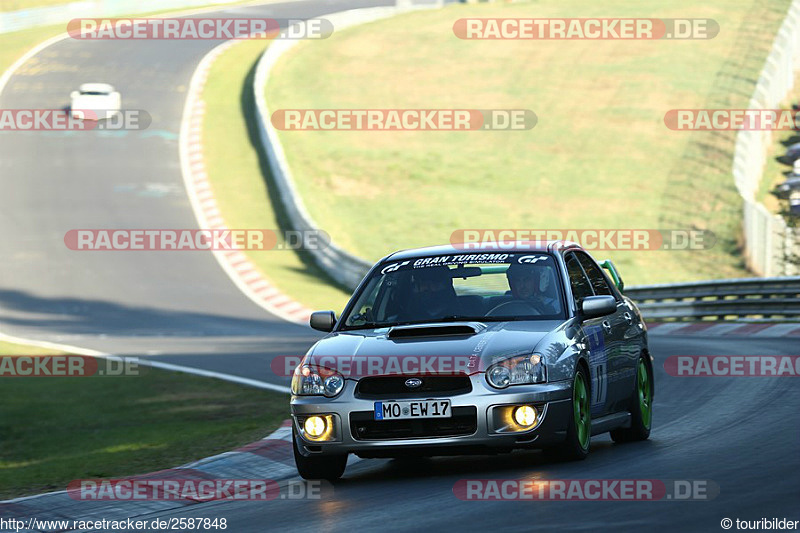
562 349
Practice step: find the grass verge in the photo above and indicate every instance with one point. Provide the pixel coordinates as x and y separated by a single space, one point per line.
54 430
15 5
13 45
600 156
12 348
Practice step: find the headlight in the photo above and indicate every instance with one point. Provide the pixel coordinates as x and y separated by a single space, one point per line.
521 370
333 385
318 428
524 416
307 381
315 426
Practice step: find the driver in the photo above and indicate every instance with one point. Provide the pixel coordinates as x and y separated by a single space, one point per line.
528 284
432 293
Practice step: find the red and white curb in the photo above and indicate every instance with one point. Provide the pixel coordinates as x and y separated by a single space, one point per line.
239 268
725 329
270 458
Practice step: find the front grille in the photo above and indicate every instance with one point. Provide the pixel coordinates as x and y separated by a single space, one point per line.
394 387
463 422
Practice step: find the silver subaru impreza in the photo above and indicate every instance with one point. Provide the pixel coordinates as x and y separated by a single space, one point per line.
456 349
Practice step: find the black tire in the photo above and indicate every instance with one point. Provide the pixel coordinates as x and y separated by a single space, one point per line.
578 441
327 467
641 413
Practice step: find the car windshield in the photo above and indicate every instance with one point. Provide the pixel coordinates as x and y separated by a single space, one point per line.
448 288
95 93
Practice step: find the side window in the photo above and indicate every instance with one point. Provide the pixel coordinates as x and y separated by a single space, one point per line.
596 277
577 279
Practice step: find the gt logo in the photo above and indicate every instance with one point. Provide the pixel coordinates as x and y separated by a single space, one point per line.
393 268
530 259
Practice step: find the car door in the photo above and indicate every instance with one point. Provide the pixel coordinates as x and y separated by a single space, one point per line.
598 337
616 325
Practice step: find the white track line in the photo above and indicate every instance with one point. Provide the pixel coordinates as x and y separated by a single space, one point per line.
147 362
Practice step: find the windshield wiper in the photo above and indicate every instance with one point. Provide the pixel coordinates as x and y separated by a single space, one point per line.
375 325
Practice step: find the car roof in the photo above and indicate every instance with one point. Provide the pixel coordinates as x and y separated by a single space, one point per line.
96 87
486 247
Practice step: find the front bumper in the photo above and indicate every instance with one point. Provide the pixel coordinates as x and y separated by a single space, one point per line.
551 399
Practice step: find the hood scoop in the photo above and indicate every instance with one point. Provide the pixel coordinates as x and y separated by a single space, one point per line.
435 330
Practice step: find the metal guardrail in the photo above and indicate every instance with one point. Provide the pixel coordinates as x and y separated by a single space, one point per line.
761 298
342 266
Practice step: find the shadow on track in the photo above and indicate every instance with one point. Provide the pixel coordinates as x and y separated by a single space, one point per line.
88 316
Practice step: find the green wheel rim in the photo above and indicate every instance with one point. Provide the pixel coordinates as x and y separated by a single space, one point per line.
580 405
645 392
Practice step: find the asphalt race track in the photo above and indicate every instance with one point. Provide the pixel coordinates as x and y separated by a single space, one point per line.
740 434
177 304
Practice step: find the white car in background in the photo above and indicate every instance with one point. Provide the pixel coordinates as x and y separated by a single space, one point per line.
95 101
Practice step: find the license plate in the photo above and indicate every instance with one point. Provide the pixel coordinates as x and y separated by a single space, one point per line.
412 409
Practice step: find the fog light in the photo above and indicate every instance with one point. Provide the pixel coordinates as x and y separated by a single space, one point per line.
525 415
315 426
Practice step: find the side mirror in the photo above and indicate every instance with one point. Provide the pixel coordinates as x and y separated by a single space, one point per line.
323 320
595 306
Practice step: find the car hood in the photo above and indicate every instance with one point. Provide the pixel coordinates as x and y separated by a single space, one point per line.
492 341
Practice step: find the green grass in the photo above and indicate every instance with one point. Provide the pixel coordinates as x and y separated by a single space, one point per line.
11 348
240 177
15 5
13 45
54 430
600 156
